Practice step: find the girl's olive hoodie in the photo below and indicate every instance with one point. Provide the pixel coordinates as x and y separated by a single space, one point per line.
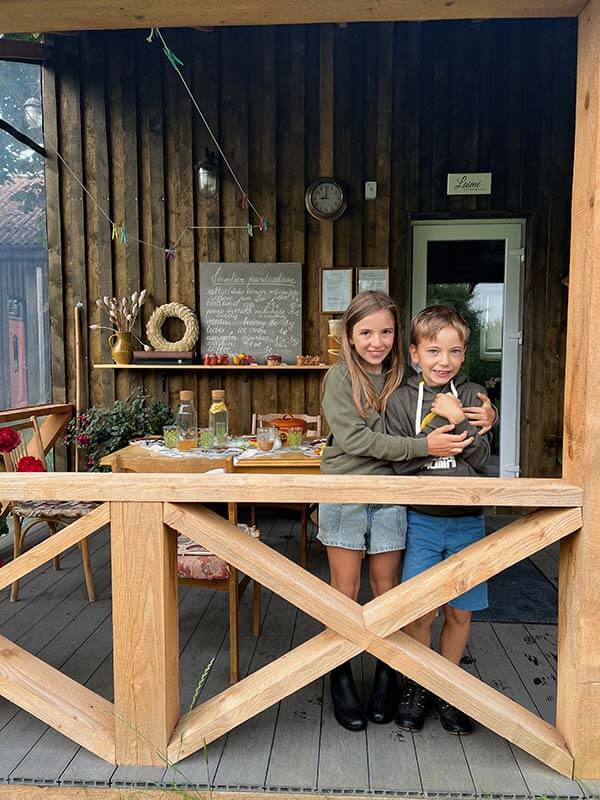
356 445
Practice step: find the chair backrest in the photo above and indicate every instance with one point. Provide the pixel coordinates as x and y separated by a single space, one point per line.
32 446
157 462
313 422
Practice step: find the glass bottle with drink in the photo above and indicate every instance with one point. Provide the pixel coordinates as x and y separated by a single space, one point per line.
218 418
187 421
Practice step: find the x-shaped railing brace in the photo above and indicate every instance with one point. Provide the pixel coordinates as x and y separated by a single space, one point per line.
373 628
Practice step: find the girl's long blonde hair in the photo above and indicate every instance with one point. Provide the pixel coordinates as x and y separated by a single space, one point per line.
363 392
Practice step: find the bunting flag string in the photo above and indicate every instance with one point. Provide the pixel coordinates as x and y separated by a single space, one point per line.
119 233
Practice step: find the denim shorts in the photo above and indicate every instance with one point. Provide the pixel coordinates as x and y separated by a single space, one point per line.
433 539
356 526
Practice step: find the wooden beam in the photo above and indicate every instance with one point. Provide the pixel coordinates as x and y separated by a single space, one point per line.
52 429
16 414
270 569
578 697
57 700
485 704
259 691
145 632
273 489
13 791
54 545
36 15
21 50
478 562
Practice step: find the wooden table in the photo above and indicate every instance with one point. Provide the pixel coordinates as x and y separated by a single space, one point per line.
136 458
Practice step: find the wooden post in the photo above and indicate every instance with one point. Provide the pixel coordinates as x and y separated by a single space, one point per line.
145 632
578 699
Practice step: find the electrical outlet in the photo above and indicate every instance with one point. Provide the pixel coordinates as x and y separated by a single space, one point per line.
370 190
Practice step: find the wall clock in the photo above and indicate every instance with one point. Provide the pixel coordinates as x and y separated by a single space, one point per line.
325 199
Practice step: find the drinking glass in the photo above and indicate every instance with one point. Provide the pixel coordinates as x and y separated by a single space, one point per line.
294 437
265 437
171 436
206 438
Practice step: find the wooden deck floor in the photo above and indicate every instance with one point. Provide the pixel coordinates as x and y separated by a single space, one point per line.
297 745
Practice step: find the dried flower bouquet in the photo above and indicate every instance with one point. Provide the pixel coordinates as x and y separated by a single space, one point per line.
122 314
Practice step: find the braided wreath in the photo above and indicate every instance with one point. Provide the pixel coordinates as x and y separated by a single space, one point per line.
158 319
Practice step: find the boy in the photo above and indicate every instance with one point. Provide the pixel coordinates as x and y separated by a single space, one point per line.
439 338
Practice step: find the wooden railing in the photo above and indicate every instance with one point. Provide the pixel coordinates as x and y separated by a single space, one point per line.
57 415
143 725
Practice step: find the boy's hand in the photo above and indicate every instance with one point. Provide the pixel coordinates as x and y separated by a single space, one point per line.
483 416
441 442
445 405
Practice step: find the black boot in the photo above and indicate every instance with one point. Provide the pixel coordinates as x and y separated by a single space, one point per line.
414 706
347 706
453 719
384 694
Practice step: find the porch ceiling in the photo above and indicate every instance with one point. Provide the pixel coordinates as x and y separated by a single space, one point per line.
66 15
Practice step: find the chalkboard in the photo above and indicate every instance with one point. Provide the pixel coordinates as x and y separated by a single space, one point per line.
251 308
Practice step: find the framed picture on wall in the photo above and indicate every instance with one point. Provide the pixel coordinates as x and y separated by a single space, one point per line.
336 290
369 279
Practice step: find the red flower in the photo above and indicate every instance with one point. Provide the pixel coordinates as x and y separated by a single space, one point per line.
9 439
30 464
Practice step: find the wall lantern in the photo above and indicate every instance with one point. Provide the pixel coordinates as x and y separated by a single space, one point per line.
33 113
207 176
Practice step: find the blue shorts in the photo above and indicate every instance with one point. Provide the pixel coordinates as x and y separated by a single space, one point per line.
356 526
433 539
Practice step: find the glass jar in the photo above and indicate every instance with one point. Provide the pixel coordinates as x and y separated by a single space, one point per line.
187 421
294 436
218 418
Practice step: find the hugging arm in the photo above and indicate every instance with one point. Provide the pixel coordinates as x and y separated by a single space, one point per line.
352 434
442 440
478 452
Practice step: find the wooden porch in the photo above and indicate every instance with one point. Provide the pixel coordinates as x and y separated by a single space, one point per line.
296 745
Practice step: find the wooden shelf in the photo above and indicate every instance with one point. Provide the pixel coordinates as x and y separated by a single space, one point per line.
251 367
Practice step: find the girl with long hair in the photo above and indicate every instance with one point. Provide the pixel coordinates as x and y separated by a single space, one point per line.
355 393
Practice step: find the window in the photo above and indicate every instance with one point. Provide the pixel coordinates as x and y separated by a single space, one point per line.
24 324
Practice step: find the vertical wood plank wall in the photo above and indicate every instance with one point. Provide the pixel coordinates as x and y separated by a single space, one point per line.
401 103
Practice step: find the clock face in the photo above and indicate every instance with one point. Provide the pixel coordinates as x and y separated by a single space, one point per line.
325 199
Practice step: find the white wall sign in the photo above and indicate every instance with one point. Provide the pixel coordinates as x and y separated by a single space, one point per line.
469 183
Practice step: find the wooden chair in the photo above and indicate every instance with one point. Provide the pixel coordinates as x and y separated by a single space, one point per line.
192 558
305 509
53 513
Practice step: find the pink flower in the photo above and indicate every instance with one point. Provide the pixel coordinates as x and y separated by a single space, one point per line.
83 439
9 439
30 464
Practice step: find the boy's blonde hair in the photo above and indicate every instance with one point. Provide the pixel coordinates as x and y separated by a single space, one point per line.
428 323
363 392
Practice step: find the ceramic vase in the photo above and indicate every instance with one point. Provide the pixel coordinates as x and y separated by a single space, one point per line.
121 348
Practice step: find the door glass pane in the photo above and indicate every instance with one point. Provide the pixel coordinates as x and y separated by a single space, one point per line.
469 276
24 328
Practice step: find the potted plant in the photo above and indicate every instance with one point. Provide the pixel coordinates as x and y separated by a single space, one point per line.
100 431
